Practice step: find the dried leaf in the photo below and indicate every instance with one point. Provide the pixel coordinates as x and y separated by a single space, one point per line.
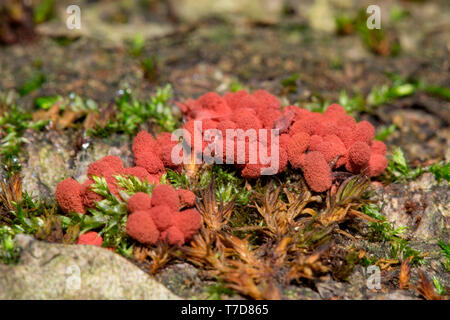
11 193
48 115
159 255
405 274
215 215
68 118
426 288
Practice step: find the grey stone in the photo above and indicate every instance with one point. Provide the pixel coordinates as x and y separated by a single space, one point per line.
56 271
52 157
423 205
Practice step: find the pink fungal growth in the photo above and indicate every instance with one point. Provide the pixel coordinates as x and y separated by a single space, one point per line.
364 131
377 164
266 100
234 98
334 111
331 147
159 220
214 102
162 217
282 160
346 121
143 143
90 238
297 145
174 236
69 197
187 198
139 201
268 117
165 146
165 195
88 195
359 153
315 141
326 127
301 113
317 144
246 119
247 102
142 174
306 124
378 147
105 167
114 163
150 162
140 226
251 171
187 221
151 218
334 134
284 140
317 172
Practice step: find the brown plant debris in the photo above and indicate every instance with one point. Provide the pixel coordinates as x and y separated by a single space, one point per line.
405 274
11 193
154 258
293 237
426 289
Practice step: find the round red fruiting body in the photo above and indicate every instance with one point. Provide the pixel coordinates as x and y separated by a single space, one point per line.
317 172
141 227
68 195
378 147
187 198
139 201
187 221
161 216
165 195
90 238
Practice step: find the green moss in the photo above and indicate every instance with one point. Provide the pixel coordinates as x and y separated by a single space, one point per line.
131 113
385 131
14 121
36 80
385 231
399 170
9 254
43 11
227 185
217 290
446 251
26 217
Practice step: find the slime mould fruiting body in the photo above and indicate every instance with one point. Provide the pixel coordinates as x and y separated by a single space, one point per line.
166 215
317 144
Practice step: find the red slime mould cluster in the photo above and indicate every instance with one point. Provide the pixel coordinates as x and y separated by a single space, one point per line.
168 214
152 157
90 238
160 217
315 143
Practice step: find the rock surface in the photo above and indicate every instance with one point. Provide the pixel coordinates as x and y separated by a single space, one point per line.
422 205
52 157
54 271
